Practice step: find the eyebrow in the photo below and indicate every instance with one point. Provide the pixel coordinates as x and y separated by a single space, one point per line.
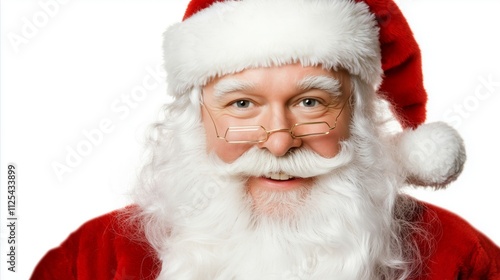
325 83
231 85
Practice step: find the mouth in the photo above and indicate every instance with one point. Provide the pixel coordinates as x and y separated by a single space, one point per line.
279 176
277 181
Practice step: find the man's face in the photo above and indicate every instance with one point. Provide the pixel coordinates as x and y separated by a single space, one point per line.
277 98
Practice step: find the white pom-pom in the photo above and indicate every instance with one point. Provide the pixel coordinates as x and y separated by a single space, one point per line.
432 154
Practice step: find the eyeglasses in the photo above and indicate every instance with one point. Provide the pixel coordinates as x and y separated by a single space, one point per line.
253 134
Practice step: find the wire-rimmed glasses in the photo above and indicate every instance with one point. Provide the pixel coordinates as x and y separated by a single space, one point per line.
252 134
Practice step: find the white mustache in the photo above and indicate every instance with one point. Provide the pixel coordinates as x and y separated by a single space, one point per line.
302 163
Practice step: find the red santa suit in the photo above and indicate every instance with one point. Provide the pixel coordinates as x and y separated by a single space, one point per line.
108 248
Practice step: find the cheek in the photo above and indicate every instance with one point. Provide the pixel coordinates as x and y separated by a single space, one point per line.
225 151
325 146
328 146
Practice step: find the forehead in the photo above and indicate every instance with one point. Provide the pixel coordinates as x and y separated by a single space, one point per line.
292 76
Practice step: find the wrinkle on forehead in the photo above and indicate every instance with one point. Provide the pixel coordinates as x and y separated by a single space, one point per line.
335 82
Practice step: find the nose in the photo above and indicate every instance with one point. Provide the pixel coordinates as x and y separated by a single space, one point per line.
280 141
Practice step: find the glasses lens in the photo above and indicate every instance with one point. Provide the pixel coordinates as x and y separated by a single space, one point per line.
246 134
310 129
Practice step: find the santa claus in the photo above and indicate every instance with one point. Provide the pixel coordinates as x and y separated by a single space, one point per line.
276 158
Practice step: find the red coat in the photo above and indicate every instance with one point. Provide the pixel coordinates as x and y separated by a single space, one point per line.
102 249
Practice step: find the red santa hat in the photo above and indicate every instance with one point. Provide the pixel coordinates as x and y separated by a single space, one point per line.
370 39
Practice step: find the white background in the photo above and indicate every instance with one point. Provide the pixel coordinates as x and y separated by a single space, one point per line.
68 66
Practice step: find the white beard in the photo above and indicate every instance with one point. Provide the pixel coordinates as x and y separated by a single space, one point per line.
204 224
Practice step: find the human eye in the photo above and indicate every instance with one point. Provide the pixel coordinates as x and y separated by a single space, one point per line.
309 102
310 106
241 104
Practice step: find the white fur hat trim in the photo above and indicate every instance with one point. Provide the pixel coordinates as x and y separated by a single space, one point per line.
219 40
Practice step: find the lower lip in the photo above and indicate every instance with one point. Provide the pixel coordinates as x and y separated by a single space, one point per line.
282 185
